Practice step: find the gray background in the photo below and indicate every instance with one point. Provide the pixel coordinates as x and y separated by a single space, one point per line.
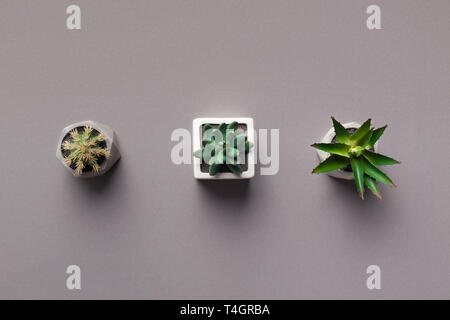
148 229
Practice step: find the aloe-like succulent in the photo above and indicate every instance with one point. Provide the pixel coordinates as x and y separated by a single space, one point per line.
84 150
356 150
223 146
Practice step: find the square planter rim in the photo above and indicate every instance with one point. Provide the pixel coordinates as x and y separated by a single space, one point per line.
197 124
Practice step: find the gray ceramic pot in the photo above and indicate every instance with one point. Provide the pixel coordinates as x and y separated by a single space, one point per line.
111 146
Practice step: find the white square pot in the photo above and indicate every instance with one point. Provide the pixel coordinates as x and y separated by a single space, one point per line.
111 145
341 174
197 144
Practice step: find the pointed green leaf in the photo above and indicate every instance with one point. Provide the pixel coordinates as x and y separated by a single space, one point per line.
232 126
218 136
236 169
333 162
232 153
358 172
342 134
361 132
208 152
376 173
377 133
223 129
378 159
239 139
208 132
372 184
230 137
207 142
220 155
230 160
198 153
213 169
335 148
364 140
248 145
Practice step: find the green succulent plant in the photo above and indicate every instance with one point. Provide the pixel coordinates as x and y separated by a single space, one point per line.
356 150
83 150
223 146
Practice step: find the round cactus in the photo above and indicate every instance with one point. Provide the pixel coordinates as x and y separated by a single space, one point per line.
85 150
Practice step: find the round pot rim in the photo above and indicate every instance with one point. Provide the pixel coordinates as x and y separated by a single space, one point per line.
105 130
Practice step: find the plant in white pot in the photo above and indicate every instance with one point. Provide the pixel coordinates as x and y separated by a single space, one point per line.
223 148
349 151
87 149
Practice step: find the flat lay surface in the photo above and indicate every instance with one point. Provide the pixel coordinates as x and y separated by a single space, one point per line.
148 229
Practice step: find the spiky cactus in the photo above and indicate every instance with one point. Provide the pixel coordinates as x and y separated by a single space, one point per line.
223 146
356 150
84 151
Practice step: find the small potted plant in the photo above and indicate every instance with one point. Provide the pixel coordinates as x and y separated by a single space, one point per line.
349 151
223 148
87 149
